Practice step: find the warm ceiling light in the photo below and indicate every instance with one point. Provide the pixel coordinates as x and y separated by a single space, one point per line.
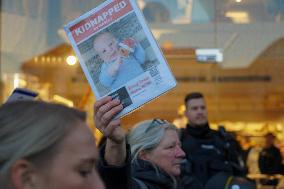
71 60
19 82
238 1
167 45
239 17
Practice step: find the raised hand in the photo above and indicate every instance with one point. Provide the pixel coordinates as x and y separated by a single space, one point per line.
105 110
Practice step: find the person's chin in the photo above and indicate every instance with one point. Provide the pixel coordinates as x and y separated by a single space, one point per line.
202 123
176 170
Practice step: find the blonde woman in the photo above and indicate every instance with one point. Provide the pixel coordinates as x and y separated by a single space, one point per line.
46 146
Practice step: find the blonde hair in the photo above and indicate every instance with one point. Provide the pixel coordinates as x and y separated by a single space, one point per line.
32 130
146 136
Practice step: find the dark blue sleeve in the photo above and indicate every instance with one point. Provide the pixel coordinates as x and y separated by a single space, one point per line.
115 177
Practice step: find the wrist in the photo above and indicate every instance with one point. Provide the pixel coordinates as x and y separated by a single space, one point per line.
116 142
115 153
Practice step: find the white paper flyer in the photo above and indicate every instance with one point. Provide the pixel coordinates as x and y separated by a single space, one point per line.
119 54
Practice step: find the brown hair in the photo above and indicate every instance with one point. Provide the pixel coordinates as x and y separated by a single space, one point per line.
193 95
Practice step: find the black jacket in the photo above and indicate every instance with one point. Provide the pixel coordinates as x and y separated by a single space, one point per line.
270 160
129 176
208 152
122 177
114 177
152 178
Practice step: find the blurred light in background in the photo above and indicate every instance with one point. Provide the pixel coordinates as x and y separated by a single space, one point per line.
71 60
63 100
238 17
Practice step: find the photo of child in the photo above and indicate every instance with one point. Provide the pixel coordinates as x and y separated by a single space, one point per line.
119 55
122 60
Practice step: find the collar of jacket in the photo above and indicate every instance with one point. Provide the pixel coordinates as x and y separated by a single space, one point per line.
199 131
146 172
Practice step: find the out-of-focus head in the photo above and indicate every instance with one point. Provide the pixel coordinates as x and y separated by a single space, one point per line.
269 139
157 141
106 46
195 109
45 145
224 180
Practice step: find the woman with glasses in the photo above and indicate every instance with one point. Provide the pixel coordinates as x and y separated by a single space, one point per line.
156 155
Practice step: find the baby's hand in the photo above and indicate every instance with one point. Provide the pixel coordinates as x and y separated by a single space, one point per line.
114 68
127 46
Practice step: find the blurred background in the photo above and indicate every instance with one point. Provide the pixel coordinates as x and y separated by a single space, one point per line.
244 90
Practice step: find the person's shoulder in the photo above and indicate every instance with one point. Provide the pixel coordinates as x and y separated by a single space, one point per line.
276 149
219 136
215 133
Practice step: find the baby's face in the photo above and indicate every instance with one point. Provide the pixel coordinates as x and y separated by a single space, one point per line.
106 47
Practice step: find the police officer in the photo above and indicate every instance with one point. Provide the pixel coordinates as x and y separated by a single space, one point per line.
208 152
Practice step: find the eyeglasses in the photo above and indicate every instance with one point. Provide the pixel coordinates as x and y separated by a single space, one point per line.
155 123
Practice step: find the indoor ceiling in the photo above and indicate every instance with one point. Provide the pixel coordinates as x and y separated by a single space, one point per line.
255 93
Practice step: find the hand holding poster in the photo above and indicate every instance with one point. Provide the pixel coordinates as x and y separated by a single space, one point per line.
119 55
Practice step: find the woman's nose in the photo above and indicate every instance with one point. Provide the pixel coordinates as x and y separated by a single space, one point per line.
180 152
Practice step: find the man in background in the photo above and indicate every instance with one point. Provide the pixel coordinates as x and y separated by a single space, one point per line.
208 152
270 160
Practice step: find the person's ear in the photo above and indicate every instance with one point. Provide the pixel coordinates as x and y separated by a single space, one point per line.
143 155
23 175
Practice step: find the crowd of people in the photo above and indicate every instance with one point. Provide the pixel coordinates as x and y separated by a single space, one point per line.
45 145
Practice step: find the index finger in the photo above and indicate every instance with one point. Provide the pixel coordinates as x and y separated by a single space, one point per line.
101 102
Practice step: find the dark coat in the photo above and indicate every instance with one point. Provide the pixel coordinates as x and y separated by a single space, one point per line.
130 175
270 160
114 177
151 177
122 177
208 152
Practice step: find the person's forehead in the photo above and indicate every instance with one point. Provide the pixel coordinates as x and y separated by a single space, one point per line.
101 41
79 141
196 102
104 37
169 136
270 136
